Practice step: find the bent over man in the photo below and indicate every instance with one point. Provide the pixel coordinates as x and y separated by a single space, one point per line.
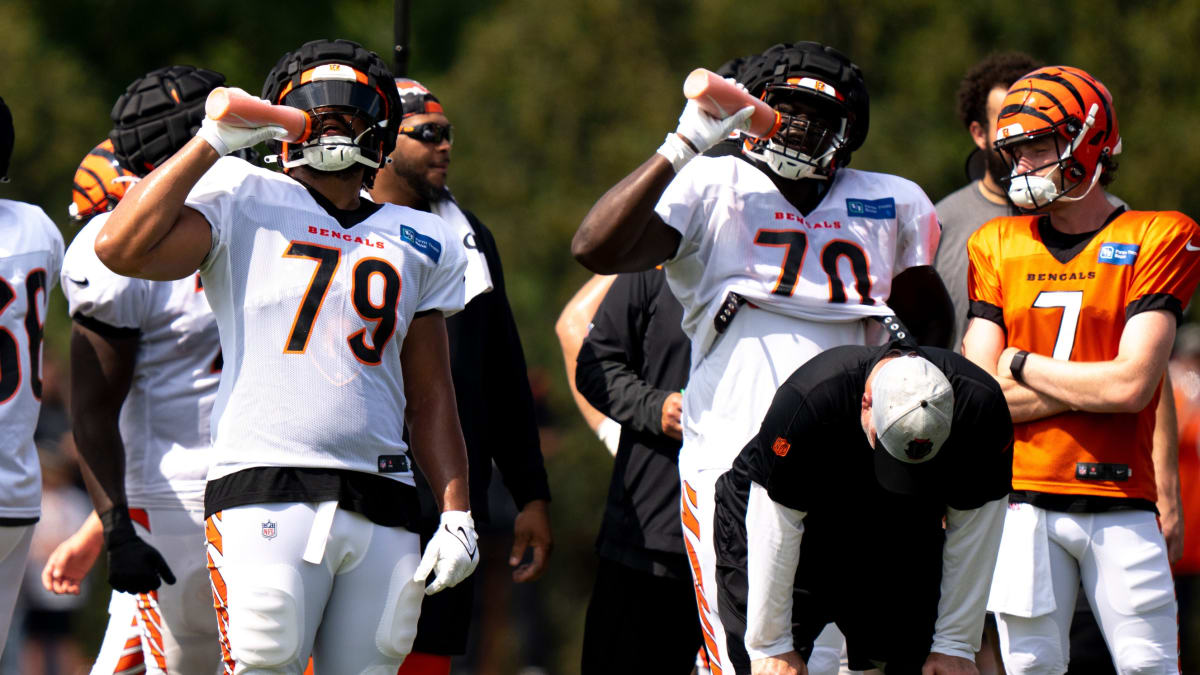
840 500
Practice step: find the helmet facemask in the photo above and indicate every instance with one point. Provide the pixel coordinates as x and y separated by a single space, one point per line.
1031 191
812 131
335 99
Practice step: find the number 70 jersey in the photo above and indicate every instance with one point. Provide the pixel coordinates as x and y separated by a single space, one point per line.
835 264
312 317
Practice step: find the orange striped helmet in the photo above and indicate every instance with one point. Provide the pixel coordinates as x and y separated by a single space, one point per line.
1077 109
100 182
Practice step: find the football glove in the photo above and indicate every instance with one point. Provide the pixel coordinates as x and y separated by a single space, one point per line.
451 554
701 131
226 138
133 565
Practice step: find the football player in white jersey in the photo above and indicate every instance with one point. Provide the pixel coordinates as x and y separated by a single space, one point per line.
776 255
330 311
145 363
31 252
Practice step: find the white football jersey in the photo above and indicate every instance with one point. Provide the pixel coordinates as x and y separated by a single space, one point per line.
165 418
31 253
835 264
312 317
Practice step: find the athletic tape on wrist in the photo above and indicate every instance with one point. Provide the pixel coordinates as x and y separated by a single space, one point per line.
676 150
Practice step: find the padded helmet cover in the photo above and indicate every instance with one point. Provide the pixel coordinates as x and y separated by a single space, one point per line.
158 114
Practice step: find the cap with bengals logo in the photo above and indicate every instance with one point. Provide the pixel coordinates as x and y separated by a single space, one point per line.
415 98
912 406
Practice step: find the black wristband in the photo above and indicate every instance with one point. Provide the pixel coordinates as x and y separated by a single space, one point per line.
118 526
1017 365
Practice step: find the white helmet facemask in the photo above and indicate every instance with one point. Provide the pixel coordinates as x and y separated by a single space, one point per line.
333 153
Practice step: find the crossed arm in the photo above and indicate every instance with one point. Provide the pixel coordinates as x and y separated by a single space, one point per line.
1124 384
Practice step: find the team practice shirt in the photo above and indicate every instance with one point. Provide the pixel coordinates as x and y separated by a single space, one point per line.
312 316
1073 303
31 253
165 418
834 264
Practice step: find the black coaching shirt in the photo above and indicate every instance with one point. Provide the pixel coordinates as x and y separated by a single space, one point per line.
635 355
869 559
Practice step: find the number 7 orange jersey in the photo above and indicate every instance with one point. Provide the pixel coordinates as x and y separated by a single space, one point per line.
1075 308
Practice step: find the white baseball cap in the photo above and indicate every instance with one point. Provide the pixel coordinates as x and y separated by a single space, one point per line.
912 407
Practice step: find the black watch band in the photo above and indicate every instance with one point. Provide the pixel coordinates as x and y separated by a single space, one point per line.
1017 366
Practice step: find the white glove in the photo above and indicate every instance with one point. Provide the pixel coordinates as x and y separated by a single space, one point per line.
702 131
452 553
225 138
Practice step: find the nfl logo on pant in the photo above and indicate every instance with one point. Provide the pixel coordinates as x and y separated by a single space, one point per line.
268 529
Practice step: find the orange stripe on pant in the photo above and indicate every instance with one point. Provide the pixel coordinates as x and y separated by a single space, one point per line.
220 592
702 607
151 628
132 661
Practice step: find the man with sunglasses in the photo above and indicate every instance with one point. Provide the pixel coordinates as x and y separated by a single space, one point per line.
776 254
495 404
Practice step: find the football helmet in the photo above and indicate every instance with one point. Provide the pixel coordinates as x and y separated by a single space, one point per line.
7 137
823 103
100 182
158 114
1074 109
334 80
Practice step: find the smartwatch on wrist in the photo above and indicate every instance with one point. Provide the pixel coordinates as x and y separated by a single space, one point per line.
1017 366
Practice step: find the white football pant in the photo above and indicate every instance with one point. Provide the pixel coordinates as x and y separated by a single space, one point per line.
299 578
1122 560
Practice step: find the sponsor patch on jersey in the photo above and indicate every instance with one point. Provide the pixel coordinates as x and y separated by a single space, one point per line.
1117 254
268 530
428 245
872 208
393 463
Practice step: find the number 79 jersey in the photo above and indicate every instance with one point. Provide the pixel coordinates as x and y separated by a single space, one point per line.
1076 309
31 253
834 264
312 317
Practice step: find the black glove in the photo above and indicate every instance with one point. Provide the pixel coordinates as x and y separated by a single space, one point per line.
133 565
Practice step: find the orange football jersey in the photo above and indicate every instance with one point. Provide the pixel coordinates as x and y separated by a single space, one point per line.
1076 310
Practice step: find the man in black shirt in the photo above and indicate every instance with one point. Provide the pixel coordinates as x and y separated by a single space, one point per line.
862 453
632 366
491 385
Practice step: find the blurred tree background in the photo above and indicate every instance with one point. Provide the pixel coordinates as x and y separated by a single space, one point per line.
555 101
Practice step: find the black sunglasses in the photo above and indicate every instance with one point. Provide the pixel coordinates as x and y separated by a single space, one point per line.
430 132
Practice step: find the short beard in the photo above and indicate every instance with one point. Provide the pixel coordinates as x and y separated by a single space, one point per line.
997 168
419 184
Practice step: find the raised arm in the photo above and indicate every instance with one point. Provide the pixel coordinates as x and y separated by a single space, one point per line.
151 234
622 233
